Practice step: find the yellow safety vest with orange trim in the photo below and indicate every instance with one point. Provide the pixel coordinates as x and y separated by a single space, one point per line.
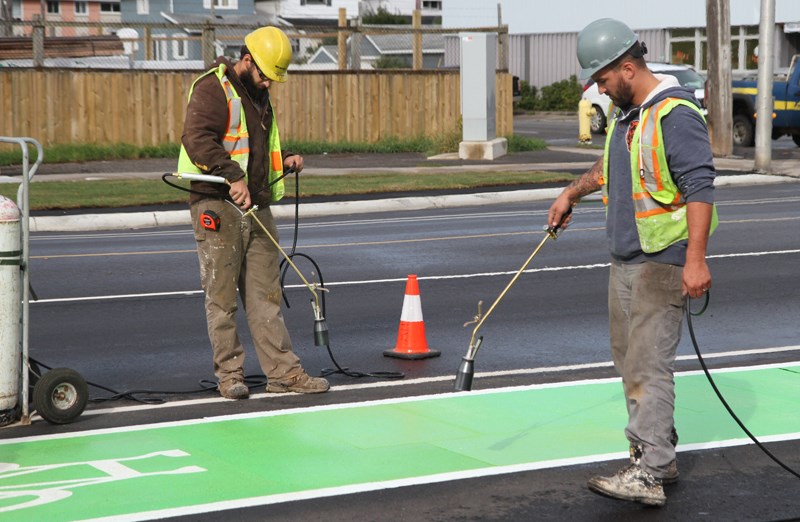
659 206
236 140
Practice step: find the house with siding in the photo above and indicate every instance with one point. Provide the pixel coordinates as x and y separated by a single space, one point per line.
182 43
65 11
383 50
326 12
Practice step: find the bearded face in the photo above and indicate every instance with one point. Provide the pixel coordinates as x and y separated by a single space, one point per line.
258 92
622 93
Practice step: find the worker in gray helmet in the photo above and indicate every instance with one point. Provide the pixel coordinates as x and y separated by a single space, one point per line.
657 180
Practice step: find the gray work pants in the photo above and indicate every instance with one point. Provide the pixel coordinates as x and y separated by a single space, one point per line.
645 315
241 255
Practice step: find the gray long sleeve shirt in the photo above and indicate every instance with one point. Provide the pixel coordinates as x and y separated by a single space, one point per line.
688 153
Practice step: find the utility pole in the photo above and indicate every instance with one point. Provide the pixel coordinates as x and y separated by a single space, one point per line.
719 101
764 103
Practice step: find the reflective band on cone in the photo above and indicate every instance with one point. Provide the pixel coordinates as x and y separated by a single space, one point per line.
411 342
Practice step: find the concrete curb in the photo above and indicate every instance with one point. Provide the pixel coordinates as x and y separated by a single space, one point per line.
135 220
126 220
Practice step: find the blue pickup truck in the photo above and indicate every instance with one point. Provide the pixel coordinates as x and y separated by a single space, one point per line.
786 106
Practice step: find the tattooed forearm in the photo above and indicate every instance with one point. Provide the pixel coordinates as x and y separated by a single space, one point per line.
590 182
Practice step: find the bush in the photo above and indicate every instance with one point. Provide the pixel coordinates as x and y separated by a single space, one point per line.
391 62
527 96
384 17
559 96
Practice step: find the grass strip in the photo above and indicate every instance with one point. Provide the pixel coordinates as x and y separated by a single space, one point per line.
51 195
68 153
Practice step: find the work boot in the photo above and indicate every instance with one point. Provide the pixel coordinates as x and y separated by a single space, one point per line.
631 483
671 476
300 383
234 389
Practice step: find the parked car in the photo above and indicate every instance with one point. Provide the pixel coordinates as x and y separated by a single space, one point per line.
785 98
687 77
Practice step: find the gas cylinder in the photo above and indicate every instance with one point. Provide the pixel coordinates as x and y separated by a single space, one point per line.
10 304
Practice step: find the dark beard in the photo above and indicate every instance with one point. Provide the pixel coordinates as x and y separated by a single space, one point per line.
624 97
259 96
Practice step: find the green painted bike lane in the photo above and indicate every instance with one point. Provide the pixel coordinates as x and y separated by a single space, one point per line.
135 473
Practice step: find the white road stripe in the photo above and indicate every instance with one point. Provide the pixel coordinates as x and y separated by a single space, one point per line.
399 279
443 378
415 481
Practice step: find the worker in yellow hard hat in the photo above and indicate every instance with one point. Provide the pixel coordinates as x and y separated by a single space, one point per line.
231 131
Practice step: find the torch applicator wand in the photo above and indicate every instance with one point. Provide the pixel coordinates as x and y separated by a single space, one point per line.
320 328
466 370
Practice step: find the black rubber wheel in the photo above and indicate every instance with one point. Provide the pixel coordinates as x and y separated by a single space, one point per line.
744 133
796 139
60 395
598 122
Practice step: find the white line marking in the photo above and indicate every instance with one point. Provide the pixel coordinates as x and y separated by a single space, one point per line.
403 279
415 481
427 380
350 405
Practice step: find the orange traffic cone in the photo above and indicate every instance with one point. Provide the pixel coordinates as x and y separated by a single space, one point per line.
411 343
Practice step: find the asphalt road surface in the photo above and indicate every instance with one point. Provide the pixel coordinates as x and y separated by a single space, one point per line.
124 309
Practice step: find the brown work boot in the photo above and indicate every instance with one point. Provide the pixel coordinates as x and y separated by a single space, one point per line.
234 389
631 483
672 474
672 470
300 383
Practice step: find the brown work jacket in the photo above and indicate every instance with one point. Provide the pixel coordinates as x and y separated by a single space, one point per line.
205 126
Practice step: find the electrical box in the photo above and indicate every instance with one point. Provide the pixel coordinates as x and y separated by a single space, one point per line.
478 66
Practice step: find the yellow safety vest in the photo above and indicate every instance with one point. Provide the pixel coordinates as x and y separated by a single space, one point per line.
237 139
659 206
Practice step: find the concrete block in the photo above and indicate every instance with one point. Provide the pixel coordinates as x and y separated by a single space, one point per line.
483 150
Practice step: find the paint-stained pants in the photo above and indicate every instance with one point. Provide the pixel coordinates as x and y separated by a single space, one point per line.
645 315
240 254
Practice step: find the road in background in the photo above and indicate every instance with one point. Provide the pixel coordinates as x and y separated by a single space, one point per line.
124 308
561 129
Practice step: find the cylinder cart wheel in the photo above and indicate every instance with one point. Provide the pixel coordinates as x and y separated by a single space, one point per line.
60 395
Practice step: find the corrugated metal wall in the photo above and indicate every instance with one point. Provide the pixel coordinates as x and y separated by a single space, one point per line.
657 44
543 59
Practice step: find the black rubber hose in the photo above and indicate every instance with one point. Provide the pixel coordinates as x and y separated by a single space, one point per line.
733 415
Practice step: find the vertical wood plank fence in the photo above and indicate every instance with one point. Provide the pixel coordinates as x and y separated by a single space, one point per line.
147 108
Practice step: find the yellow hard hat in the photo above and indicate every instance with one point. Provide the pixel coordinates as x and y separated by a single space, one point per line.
271 50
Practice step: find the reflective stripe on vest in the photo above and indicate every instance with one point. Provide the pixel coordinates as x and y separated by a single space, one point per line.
236 140
660 209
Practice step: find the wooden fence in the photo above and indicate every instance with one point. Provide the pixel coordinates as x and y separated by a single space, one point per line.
147 108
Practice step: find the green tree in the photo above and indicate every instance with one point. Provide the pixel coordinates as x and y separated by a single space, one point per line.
559 96
382 16
391 62
562 96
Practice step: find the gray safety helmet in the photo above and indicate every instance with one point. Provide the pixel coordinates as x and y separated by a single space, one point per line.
601 42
